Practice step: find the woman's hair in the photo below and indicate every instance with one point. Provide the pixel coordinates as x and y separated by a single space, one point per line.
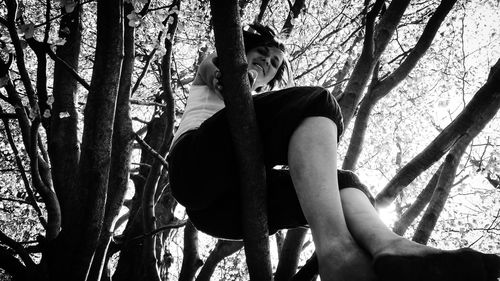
257 35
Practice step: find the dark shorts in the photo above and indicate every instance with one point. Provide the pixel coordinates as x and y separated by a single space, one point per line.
204 175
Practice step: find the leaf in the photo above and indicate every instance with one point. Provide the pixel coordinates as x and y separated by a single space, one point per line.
60 42
134 19
63 115
50 100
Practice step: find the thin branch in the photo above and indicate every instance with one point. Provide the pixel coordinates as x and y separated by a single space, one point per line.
44 188
8 116
145 8
11 265
18 248
161 8
145 68
147 103
150 150
24 177
48 5
177 224
68 67
20 61
60 15
14 200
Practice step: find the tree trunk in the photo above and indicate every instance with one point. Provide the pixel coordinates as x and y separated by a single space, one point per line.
381 88
191 260
418 206
376 40
447 176
120 154
289 257
63 143
98 131
244 132
441 193
223 249
309 271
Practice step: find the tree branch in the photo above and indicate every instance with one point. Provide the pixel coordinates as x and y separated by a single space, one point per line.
309 271
476 114
418 206
222 249
68 68
262 10
29 191
94 166
19 249
149 149
150 186
191 260
12 265
417 52
245 136
441 192
362 70
289 257
295 10
21 64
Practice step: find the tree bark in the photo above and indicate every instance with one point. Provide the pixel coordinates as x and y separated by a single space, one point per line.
309 271
441 193
63 142
223 249
191 260
289 257
244 132
130 264
418 205
150 188
376 40
98 131
120 153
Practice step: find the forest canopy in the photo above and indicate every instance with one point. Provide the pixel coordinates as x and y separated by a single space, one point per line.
92 92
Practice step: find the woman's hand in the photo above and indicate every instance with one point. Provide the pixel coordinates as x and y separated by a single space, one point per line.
217 80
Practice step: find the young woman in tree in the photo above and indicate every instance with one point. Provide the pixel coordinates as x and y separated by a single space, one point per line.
300 127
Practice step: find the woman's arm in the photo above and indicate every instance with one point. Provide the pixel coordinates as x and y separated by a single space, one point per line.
206 74
210 75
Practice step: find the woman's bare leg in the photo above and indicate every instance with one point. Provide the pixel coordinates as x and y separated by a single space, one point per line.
344 222
312 155
370 231
396 258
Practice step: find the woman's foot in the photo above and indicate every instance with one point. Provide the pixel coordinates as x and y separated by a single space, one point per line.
410 262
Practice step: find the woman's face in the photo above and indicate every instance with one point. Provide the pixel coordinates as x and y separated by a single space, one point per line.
266 61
